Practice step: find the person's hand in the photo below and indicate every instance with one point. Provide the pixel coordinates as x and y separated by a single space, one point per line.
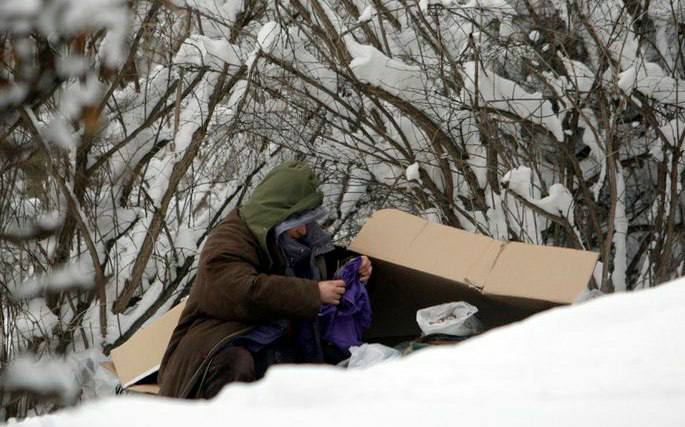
365 269
331 291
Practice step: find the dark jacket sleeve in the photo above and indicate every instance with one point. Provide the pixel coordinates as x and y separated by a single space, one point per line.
236 288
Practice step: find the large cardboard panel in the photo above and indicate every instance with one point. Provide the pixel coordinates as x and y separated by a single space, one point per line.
409 241
387 242
544 273
142 354
518 274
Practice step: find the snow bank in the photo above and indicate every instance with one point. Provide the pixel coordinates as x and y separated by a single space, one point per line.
673 132
268 35
613 361
35 319
581 78
485 11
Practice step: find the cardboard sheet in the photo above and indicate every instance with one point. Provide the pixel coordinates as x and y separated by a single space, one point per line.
141 355
544 273
516 269
419 263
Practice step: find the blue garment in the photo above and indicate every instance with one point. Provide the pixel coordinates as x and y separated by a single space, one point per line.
262 335
344 324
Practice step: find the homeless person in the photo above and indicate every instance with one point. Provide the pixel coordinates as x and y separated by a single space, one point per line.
262 280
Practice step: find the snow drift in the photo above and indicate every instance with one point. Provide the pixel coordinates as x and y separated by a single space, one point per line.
616 360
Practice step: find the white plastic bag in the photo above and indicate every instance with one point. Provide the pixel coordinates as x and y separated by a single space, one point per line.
366 355
452 318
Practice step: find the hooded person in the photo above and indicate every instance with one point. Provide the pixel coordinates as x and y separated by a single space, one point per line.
261 280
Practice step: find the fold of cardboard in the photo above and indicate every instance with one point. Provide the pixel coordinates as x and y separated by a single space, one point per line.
495 268
141 355
144 388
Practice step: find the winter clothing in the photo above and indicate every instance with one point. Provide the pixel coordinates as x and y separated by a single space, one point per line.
288 189
241 283
300 261
234 290
295 220
232 364
301 254
237 364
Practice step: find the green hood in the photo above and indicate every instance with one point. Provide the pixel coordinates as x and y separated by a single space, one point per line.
289 188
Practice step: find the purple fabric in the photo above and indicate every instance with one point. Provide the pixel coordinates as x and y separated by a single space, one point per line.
344 324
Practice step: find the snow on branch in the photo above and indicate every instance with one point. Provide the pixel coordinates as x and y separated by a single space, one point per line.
71 17
46 378
650 79
371 66
499 93
74 276
40 227
558 202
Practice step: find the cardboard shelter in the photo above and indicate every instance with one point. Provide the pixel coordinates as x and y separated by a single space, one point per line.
416 264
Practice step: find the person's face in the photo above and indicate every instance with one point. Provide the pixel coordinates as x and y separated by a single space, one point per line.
297 232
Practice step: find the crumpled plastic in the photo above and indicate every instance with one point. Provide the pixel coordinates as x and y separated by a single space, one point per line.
367 355
452 318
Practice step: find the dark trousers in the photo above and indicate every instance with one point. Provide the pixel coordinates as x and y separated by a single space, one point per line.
237 364
227 366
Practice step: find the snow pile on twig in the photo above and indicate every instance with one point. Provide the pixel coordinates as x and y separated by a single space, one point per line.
650 79
412 172
53 378
371 66
487 88
72 17
68 277
559 201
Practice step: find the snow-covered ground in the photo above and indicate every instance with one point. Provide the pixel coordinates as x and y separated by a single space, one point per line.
614 361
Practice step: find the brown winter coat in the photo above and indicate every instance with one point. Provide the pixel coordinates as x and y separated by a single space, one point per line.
234 290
